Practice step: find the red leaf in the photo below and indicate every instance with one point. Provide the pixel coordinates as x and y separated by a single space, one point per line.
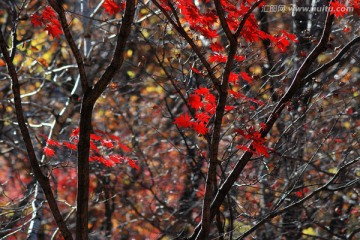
54 30
243 147
111 7
263 126
70 146
202 91
246 77
195 70
299 194
132 163
183 121
349 110
216 47
218 58
200 128
202 117
53 143
195 101
95 137
49 14
116 158
338 9
107 143
229 108
115 138
233 77
124 147
36 20
260 149
210 108
49 152
240 58
75 132
94 147
290 36
108 162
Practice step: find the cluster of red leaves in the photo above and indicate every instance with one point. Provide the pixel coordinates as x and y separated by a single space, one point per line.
338 9
301 193
204 104
257 144
48 19
199 22
101 144
112 7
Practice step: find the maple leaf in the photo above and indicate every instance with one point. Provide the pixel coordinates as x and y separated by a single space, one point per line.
194 101
263 126
183 121
229 108
108 163
49 151
246 77
283 44
48 18
239 58
202 117
107 143
53 143
132 163
236 95
69 145
210 108
124 147
49 14
111 7
218 58
290 36
208 33
95 137
233 77
54 29
202 91
216 47
338 9
210 98
200 127
75 133
94 147
116 158
260 149
36 20
115 138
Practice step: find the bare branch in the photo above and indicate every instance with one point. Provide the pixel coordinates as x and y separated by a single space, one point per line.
69 38
40 177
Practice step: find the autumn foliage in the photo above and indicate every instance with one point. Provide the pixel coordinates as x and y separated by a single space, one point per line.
179 119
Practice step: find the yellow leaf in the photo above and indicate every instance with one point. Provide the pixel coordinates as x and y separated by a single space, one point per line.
309 231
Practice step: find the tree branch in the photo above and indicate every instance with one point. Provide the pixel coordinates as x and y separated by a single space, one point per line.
69 38
40 177
226 186
333 61
196 49
89 99
299 202
118 57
